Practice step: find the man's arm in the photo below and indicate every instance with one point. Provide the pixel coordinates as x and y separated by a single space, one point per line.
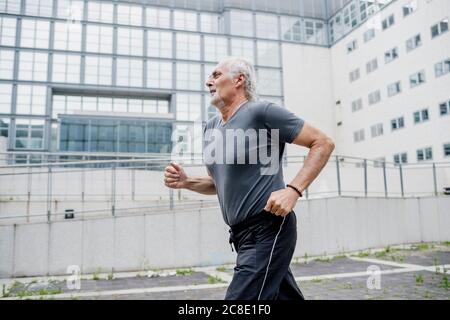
282 202
321 147
176 178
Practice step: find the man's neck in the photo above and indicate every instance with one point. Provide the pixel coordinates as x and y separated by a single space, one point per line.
228 110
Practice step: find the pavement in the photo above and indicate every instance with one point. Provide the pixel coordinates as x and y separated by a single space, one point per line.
408 272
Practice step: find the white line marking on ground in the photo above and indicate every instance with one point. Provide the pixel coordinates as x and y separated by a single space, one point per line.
388 263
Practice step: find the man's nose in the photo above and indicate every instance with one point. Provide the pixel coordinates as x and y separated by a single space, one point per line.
209 83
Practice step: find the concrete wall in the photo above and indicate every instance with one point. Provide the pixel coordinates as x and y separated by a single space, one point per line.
200 237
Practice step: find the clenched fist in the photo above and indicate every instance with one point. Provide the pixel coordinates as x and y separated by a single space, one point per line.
281 202
174 176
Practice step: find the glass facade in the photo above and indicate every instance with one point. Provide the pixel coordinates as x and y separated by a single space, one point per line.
140 68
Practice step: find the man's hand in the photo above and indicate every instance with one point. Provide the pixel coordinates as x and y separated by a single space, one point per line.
282 202
174 176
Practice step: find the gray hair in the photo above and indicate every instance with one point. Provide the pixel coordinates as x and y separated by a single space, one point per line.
237 66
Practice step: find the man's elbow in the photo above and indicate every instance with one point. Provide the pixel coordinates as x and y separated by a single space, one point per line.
331 144
328 144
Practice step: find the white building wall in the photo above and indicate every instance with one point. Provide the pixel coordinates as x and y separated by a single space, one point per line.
317 86
434 132
308 87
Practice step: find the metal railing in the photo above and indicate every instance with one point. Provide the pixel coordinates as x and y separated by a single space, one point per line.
128 184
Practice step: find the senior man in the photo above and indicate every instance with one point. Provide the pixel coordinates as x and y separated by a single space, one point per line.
255 202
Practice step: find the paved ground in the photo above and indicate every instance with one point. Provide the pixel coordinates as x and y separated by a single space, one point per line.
411 272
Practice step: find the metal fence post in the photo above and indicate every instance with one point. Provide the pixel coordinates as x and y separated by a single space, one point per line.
113 189
401 180
133 182
49 192
385 180
338 176
434 179
365 177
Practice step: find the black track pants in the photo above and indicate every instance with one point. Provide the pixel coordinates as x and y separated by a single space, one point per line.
265 247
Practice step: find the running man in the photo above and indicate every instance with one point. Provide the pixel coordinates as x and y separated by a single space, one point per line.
255 202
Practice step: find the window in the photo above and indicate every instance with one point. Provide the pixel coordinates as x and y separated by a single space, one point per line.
99 39
242 23
243 48
215 48
6 64
266 26
372 65
269 82
401 158
211 23
352 46
439 28
446 149
100 11
71 10
394 89
425 154
397 123
66 68
188 46
159 44
7 31
358 136
5 97
155 106
369 35
374 97
158 17
185 20
98 70
354 75
39 8
413 43
444 108
31 99
376 130
291 29
67 36
29 133
409 8
421 116
314 32
188 107
35 34
268 53
417 79
188 76
33 66
129 41
357 105
159 74
442 68
379 162
129 15
388 22
391 55
10 6
129 72
4 127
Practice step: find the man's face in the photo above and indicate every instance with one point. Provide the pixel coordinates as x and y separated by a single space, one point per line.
221 86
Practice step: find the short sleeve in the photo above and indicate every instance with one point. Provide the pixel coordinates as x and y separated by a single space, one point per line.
287 122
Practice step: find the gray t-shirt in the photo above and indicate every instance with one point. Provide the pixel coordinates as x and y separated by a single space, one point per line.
238 156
